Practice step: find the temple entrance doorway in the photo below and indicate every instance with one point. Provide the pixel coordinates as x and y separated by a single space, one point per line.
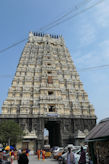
54 135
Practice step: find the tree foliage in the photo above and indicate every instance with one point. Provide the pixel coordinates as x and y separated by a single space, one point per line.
10 130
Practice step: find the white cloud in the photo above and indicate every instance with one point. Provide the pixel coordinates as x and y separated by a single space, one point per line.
84 60
98 56
104 49
94 51
87 34
91 24
104 43
102 14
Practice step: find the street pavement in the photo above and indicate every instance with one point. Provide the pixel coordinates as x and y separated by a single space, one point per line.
34 160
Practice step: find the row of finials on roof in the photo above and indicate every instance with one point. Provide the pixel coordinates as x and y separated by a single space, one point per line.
42 34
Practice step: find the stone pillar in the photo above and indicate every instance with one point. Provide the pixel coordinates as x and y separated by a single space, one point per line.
67 132
40 132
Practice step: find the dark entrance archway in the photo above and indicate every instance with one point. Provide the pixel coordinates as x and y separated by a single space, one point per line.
54 133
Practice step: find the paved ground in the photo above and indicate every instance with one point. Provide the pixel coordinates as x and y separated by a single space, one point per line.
34 160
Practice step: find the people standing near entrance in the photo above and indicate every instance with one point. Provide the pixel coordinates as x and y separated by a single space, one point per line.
23 159
27 152
70 157
12 157
38 154
82 159
43 154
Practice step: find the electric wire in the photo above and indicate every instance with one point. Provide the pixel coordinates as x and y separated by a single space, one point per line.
68 18
94 68
65 15
42 28
13 45
99 67
52 26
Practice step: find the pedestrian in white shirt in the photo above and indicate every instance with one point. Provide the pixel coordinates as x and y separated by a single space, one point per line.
70 157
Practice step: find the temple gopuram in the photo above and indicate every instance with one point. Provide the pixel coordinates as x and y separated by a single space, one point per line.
46 93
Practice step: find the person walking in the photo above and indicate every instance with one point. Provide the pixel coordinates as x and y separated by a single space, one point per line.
23 159
82 159
43 154
38 154
27 152
12 157
70 157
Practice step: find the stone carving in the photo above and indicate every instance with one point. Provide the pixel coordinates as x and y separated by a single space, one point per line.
46 77
29 135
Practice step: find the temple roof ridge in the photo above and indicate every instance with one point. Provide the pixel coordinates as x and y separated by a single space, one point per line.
41 34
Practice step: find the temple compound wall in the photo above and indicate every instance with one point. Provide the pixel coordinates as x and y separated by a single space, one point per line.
46 92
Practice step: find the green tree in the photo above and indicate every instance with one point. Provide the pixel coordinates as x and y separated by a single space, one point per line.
10 132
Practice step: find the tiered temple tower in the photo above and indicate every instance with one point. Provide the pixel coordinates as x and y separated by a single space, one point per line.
46 92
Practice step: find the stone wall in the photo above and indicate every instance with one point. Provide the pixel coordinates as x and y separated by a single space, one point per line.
66 130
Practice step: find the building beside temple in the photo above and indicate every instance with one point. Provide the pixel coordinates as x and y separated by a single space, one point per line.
98 142
46 92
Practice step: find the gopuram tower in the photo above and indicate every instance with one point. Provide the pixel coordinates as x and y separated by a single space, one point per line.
46 92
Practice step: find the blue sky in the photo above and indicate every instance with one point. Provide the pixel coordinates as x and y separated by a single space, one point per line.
86 36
